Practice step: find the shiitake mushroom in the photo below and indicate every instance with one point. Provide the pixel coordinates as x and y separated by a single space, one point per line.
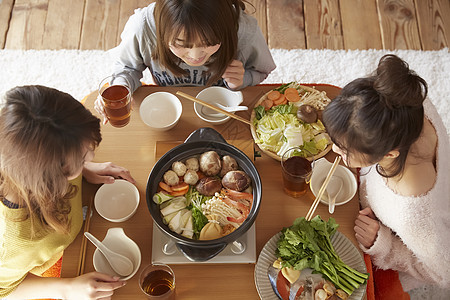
228 164
236 180
208 186
210 163
307 113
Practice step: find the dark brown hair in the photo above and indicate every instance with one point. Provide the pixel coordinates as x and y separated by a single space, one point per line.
44 133
379 113
211 22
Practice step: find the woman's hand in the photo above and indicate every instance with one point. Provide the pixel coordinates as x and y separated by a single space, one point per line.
234 74
93 285
366 227
105 172
99 106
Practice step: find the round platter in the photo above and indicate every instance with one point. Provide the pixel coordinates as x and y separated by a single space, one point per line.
273 154
343 247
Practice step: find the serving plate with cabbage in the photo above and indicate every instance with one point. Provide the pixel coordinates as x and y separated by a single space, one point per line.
289 116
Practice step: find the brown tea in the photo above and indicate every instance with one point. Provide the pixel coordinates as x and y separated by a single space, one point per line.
296 174
117 105
157 283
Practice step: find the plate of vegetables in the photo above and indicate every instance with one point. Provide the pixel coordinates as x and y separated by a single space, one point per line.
289 116
310 259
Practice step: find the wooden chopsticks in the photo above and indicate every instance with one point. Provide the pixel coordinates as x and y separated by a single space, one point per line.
322 189
82 256
189 97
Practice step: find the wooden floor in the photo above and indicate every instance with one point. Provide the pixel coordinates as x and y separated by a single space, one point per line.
288 24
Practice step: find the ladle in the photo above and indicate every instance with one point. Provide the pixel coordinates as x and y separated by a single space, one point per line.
333 190
120 264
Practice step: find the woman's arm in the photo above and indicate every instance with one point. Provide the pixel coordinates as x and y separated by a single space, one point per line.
105 172
88 286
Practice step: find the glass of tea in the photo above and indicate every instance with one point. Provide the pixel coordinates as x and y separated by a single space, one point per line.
296 170
157 281
116 94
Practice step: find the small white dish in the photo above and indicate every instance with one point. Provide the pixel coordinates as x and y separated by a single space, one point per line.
118 201
119 242
320 172
161 110
216 95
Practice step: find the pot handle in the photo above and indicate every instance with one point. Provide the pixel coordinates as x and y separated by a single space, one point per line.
197 254
205 134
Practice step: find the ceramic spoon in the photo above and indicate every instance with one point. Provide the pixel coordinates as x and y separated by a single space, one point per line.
120 264
333 189
232 108
209 112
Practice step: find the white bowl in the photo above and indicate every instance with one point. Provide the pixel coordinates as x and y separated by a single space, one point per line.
118 201
320 172
119 242
213 95
161 110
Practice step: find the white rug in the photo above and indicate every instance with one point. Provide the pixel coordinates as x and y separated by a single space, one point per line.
79 72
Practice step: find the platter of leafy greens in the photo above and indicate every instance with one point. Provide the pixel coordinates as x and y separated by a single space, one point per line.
276 128
290 244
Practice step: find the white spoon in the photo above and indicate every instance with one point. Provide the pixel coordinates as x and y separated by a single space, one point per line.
333 189
212 113
232 108
120 264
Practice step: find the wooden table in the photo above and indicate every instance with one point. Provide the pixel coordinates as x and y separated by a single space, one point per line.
134 148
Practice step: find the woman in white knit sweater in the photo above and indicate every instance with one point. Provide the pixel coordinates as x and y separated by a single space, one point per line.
385 125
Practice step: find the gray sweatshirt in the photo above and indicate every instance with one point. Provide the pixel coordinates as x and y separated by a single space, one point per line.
134 54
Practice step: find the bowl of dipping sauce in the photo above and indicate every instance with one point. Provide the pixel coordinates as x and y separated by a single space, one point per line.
118 201
214 95
161 110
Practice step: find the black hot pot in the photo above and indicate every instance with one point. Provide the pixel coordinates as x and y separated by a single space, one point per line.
202 140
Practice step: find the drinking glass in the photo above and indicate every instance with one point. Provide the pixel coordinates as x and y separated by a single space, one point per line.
157 281
296 171
116 96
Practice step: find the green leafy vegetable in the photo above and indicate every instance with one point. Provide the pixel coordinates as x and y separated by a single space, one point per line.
307 244
259 112
283 87
196 200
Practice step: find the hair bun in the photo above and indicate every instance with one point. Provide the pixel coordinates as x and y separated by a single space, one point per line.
398 85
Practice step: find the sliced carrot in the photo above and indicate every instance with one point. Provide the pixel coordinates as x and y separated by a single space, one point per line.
293 97
180 192
165 187
273 95
290 91
284 102
279 100
180 187
267 104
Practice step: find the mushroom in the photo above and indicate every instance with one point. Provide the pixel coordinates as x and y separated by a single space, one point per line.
307 113
171 178
192 164
208 186
228 164
179 168
190 177
236 180
210 163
